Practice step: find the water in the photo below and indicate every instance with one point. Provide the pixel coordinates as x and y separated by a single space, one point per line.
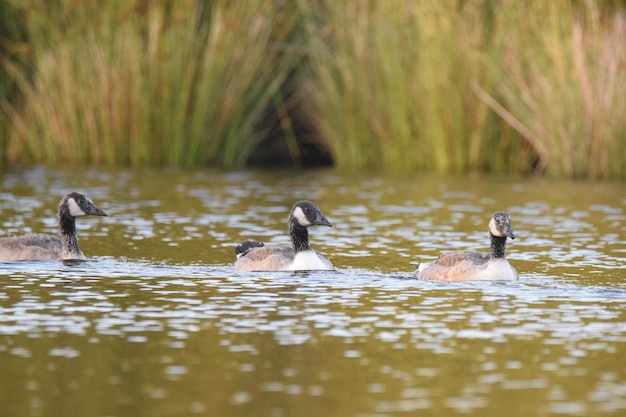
156 323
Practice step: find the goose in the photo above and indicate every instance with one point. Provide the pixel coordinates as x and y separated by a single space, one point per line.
46 247
255 256
468 265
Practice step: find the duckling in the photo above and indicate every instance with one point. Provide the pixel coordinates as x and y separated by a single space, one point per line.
468 265
255 256
41 246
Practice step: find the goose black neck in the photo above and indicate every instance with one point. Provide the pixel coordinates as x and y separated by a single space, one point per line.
67 229
299 237
498 246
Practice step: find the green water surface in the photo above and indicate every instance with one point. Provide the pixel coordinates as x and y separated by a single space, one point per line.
157 323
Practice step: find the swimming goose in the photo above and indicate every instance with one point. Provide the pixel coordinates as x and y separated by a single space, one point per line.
468 265
255 256
40 246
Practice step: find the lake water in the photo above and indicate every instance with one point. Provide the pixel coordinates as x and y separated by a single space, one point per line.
157 323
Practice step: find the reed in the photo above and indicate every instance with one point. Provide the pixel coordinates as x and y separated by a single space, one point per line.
163 82
443 85
11 50
564 87
473 85
392 84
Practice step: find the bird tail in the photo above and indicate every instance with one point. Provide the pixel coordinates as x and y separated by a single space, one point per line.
246 246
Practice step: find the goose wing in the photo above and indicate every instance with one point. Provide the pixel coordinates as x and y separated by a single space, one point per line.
454 266
30 247
458 257
265 258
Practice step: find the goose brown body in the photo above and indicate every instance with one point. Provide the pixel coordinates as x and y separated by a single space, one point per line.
266 258
255 256
469 265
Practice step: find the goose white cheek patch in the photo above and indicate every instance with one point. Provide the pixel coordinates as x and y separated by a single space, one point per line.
301 217
75 209
493 229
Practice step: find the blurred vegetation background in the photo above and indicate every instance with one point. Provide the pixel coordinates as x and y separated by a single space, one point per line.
532 87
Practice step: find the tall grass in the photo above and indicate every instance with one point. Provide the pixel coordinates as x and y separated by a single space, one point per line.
472 85
12 48
445 85
162 82
392 83
564 87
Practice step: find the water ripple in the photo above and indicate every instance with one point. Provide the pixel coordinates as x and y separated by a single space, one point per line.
158 320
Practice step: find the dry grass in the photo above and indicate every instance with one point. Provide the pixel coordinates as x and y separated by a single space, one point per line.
391 83
565 85
397 85
151 83
512 86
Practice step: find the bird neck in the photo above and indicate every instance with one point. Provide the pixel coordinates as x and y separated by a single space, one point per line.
299 237
498 246
69 240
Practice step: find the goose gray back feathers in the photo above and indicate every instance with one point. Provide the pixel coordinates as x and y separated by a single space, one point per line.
468 265
46 247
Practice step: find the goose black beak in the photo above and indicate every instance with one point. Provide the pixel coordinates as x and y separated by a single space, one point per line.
509 232
321 220
95 211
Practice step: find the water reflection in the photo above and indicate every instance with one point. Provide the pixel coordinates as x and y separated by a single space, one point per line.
157 323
